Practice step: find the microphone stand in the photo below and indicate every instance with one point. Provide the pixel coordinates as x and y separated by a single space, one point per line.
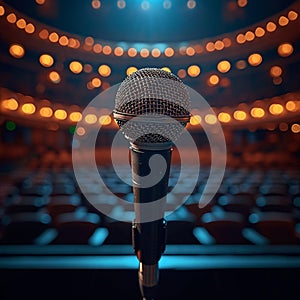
148 238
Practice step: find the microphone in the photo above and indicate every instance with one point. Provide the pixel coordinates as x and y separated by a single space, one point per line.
151 108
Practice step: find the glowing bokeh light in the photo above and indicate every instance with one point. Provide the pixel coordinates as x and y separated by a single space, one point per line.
224 66
76 67
60 114
257 112
96 82
131 70
46 112
195 120
28 108
90 118
10 104
240 115
75 116
276 109
54 77
285 49
16 51
291 106
193 70
224 117
275 71
46 60
255 59
104 70
295 128
105 120
210 119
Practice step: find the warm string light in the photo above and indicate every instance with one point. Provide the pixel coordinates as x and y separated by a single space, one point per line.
189 50
244 113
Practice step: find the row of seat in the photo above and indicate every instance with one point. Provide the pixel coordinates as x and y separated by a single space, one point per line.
47 207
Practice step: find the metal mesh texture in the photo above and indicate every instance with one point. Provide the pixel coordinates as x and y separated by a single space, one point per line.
152 92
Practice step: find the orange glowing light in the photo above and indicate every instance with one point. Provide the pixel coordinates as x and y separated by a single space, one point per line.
190 51
131 70
118 51
54 77
210 47
16 51
224 117
2 10
275 71
90 119
181 73
169 52
105 120
193 70
210 119
60 114
291 106
97 48
63 40
44 34
224 66
30 28
292 15
259 32
144 52
28 108
46 60
10 104
104 70
106 50
276 109
21 23
11 18
271 27
255 59
76 67
241 38
285 49
132 52
155 52
257 112
96 4
240 115
75 116
195 120
227 42
249 36
53 37
283 21
46 112
219 45
96 82
295 128
213 80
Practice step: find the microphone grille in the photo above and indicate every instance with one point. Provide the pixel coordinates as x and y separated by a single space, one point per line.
152 92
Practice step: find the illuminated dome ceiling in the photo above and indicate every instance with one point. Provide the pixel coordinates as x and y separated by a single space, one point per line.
231 51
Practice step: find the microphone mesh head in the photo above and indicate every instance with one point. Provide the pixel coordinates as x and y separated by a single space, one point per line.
152 94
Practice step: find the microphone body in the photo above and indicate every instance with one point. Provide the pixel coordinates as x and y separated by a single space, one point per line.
148 238
151 108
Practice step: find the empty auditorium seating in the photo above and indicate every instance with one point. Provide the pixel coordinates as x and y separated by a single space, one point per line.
251 206
275 227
